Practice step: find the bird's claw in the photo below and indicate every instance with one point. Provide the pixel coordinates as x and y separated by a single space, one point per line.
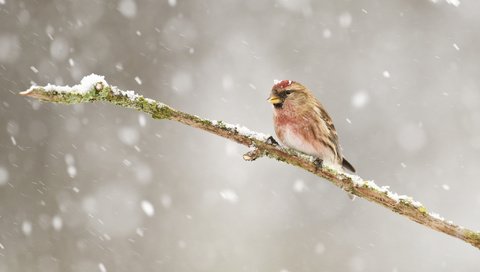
318 163
271 141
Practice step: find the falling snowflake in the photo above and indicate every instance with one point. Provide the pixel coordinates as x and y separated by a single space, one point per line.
229 195
148 208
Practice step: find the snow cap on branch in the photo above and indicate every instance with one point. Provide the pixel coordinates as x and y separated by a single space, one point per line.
86 84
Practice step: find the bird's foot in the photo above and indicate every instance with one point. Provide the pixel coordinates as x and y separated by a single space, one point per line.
318 164
271 141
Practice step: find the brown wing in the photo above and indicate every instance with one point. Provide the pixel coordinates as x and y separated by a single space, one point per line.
331 132
333 137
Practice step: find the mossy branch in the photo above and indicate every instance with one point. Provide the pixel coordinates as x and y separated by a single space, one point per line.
260 144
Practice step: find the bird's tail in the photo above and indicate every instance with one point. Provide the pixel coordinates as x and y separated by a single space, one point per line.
347 165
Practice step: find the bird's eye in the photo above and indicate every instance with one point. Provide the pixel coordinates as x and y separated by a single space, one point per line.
287 92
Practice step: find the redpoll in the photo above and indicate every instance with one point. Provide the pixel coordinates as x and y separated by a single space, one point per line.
303 124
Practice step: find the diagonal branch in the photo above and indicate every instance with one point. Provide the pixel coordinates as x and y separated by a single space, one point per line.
94 88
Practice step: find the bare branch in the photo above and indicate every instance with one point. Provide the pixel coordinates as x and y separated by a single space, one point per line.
96 89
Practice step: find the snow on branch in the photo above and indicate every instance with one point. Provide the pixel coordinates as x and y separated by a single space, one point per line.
94 88
454 3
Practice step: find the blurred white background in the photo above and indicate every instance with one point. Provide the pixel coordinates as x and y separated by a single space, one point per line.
96 187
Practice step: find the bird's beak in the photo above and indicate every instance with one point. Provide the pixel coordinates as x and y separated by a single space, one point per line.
274 99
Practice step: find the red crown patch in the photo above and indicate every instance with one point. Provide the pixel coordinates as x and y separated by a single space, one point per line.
282 84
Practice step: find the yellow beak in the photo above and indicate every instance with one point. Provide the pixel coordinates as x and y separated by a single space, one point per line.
274 99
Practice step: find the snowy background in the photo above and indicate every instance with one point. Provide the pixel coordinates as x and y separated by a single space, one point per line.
96 187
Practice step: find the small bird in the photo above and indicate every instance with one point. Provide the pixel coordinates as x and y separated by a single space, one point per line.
302 123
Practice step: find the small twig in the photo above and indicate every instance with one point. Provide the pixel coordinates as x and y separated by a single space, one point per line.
94 88
253 154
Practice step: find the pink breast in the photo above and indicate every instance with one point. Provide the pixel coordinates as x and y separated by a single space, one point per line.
294 132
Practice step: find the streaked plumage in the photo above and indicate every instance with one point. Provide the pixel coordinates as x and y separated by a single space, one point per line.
302 123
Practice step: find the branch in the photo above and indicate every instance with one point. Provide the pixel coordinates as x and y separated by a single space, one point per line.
94 88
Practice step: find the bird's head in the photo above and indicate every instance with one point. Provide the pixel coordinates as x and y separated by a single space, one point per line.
290 92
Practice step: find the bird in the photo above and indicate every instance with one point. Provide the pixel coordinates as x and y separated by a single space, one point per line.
302 123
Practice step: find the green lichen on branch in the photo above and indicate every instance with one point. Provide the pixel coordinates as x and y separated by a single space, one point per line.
101 91
422 209
60 97
156 109
472 237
